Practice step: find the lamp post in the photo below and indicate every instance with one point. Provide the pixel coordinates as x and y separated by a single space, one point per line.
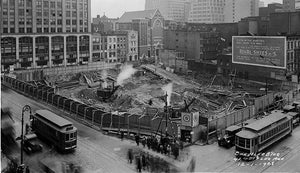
25 108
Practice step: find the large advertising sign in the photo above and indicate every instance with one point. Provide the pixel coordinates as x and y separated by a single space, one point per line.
259 51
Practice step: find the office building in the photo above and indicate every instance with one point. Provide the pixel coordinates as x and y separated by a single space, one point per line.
234 10
170 9
207 11
48 33
271 8
291 5
104 24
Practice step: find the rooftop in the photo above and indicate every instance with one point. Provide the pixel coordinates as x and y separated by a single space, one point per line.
57 120
129 16
266 121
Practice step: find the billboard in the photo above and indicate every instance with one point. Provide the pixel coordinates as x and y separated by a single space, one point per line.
262 51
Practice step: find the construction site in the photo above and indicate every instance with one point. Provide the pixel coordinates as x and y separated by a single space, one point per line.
136 90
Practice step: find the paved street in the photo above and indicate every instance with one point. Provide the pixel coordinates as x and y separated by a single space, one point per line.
95 152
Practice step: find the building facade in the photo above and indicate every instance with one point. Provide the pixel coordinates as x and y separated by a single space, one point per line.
271 8
206 11
234 10
36 34
117 46
176 10
196 45
149 24
103 24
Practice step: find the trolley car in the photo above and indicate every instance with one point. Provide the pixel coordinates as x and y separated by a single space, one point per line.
58 131
262 133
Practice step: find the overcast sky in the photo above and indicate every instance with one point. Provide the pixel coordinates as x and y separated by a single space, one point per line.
115 8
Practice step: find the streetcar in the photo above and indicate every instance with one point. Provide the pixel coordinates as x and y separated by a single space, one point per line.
257 136
58 131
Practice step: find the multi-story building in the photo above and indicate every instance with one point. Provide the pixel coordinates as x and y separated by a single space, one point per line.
149 24
198 45
292 57
45 33
170 9
116 46
261 4
104 24
207 11
291 5
271 8
234 10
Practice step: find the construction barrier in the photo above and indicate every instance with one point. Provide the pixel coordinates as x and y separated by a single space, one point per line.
148 123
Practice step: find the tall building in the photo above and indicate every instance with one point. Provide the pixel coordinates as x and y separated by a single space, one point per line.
261 4
271 8
170 9
207 11
45 33
291 5
234 10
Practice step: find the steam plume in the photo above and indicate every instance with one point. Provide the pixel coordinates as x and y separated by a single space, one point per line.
104 76
168 89
126 72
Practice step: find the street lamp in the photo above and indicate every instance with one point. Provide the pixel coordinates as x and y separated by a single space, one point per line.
25 108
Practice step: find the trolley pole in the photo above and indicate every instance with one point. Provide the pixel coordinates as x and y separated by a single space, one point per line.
25 108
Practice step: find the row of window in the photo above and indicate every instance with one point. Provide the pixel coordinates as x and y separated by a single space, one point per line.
242 142
274 131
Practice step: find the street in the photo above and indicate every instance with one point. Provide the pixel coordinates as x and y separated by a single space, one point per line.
95 152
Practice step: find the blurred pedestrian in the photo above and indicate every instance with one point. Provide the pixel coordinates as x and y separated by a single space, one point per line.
138 164
144 162
137 139
122 136
148 140
26 128
144 141
27 170
130 155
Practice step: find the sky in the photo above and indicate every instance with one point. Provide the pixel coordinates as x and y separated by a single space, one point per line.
116 8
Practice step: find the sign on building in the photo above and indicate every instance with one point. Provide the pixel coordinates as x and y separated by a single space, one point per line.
195 119
262 51
190 119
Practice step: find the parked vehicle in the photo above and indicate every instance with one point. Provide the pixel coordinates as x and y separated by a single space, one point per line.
229 138
30 144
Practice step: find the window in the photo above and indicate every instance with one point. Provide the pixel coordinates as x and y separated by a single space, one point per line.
52 29
67 137
46 13
5 21
28 3
52 4
21 12
59 21
21 3
74 6
39 30
74 30
46 29
68 14
59 4
46 21
68 22
28 12
46 4
74 22
12 12
38 4
5 30
21 30
21 21
74 14
12 30
38 21
68 5
29 30
28 21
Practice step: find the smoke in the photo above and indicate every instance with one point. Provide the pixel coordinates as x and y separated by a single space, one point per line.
126 72
168 89
104 76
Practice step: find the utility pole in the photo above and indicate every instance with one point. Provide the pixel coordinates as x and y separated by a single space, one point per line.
266 88
167 112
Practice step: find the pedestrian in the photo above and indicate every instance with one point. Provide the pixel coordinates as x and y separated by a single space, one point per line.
27 170
137 139
139 164
169 150
144 141
130 155
122 135
26 128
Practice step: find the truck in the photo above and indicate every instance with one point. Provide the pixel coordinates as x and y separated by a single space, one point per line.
228 140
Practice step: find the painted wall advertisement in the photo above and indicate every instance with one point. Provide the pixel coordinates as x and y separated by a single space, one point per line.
262 51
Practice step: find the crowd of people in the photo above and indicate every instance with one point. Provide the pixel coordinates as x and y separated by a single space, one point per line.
145 162
164 145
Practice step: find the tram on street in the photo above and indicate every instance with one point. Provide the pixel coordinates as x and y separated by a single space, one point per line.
58 131
259 135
